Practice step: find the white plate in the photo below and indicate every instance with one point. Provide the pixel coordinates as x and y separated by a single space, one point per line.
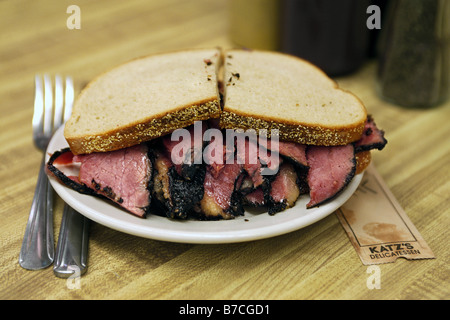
252 226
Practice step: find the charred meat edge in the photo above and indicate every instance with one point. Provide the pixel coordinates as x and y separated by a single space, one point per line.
83 189
79 187
234 209
370 126
185 194
177 196
186 170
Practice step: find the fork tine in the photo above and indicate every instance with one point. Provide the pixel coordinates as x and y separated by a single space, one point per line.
48 105
38 114
57 119
69 97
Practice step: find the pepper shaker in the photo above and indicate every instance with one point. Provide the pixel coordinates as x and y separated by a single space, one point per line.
414 55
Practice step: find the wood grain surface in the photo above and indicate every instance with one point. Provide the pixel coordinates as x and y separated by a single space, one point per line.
316 262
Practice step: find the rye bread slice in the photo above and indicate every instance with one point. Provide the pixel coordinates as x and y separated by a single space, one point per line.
144 99
270 90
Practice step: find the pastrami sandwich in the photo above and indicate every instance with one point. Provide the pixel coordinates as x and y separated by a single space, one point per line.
308 137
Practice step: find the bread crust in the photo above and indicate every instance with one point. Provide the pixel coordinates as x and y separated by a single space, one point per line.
363 160
304 133
150 128
291 131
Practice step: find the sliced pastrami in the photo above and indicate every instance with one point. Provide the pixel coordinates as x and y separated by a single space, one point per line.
261 168
62 157
247 154
296 152
256 198
185 149
221 200
330 171
284 190
161 186
65 157
215 154
185 193
245 184
372 137
172 193
122 176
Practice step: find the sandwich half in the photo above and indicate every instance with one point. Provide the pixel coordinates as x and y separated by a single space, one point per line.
271 90
151 135
145 99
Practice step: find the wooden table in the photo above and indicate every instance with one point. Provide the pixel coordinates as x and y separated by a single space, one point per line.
316 262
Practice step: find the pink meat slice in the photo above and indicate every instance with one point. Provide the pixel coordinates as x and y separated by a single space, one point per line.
186 153
330 170
284 190
255 198
372 137
219 191
222 187
284 187
294 151
248 156
122 176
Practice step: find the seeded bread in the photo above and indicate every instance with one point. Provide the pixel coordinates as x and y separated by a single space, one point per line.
144 99
269 90
363 160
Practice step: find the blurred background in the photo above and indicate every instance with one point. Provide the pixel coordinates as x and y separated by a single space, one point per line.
408 38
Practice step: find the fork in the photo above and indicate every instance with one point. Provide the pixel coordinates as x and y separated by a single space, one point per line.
72 248
51 109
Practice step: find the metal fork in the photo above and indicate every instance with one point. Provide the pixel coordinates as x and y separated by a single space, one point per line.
72 248
51 109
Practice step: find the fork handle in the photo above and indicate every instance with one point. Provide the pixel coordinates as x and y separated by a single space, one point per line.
72 248
38 249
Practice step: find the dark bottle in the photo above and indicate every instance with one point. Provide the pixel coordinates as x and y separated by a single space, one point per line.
414 62
331 34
